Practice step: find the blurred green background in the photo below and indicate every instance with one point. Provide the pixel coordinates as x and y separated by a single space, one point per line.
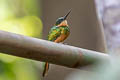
21 17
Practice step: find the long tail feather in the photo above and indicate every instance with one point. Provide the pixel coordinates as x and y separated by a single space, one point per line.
45 69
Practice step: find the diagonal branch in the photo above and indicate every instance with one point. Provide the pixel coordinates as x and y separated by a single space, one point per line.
42 50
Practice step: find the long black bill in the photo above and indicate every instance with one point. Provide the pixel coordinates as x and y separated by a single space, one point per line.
65 17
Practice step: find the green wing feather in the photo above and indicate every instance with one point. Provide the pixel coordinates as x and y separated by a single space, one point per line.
56 32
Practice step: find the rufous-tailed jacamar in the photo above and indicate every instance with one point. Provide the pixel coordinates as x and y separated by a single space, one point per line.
58 33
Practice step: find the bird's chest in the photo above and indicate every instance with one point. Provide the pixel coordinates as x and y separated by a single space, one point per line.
63 36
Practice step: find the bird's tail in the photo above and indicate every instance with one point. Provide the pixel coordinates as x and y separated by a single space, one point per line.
45 69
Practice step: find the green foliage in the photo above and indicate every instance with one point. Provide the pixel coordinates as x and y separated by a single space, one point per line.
28 25
22 17
18 8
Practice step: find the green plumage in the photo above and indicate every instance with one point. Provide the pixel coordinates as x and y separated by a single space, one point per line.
56 31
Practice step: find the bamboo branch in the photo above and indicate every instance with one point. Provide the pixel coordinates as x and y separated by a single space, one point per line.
42 50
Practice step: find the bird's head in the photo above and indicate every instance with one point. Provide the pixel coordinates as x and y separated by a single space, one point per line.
62 20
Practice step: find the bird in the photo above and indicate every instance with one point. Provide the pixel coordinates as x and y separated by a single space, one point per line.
58 33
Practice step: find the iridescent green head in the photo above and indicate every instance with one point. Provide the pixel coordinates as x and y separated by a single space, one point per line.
61 19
